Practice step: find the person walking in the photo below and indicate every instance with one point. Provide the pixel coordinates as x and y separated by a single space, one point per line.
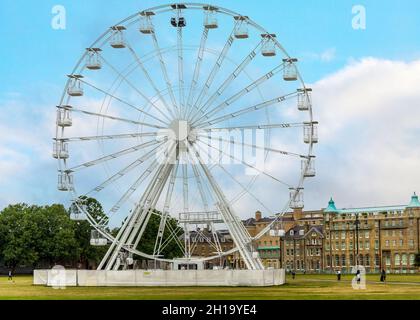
358 276
10 278
293 274
338 275
383 275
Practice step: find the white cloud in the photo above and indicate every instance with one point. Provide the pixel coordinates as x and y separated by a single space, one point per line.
369 151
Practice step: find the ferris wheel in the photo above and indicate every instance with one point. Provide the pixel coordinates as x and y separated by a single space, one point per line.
190 113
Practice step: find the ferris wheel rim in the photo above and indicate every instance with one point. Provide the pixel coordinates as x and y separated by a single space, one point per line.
199 6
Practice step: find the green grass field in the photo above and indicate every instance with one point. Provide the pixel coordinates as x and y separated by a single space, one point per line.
303 287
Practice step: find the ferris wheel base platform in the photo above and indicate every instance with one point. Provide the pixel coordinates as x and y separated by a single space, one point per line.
160 278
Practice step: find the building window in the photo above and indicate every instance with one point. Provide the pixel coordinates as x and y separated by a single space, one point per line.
367 260
401 242
351 260
343 246
343 235
376 244
377 260
367 234
404 260
411 243
397 260
394 243
388 260
351 245
387 243
367 245
412 259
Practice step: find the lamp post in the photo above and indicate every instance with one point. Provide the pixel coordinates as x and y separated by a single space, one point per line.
357 223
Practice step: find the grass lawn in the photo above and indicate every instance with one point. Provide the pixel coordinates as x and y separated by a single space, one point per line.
303 287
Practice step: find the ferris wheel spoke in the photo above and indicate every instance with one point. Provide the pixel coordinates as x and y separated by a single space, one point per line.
109 137
256 127
124 171
165 72
133 188
247 110
240 94
241 67
239 234
246 164
110 117
245 189
135 88
112 156
197 69
123 102
200 186
216 67
282 152
180 70
162 225
150 80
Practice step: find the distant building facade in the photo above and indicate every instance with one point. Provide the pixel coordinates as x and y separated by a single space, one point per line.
332 239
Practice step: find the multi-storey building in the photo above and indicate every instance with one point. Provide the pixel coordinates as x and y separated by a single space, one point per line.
378 237
333 239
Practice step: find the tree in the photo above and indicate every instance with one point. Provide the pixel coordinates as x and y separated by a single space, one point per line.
417 260
147 242
33 234
87 252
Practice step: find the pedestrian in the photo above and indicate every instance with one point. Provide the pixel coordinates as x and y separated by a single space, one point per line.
293 274
383 275
338 275
10 275
358 276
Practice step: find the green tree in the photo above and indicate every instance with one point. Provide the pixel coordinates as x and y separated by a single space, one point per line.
83 229
33 234
147 242
417 260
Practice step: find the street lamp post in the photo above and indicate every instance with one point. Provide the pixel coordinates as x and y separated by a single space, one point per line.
357 223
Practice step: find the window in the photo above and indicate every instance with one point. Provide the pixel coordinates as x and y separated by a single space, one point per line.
343 235
367 245
367 234
394 243
343 260
337 246
388 260
351 245
367 260
397 259
411 243
412 259
343 246
401 242
387 243
404 260
377 260
393 233
376 244
401 233
292 233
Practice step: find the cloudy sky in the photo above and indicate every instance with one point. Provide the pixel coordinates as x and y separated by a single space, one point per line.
366 90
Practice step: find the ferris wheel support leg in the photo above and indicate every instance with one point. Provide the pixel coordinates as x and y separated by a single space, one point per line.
240 235
121 239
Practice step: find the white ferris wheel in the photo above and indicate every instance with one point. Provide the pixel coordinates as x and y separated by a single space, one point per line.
189 112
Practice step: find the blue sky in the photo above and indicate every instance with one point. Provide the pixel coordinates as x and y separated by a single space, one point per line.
35 59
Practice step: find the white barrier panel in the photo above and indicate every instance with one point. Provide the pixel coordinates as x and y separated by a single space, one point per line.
40 277
61 278
156 278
